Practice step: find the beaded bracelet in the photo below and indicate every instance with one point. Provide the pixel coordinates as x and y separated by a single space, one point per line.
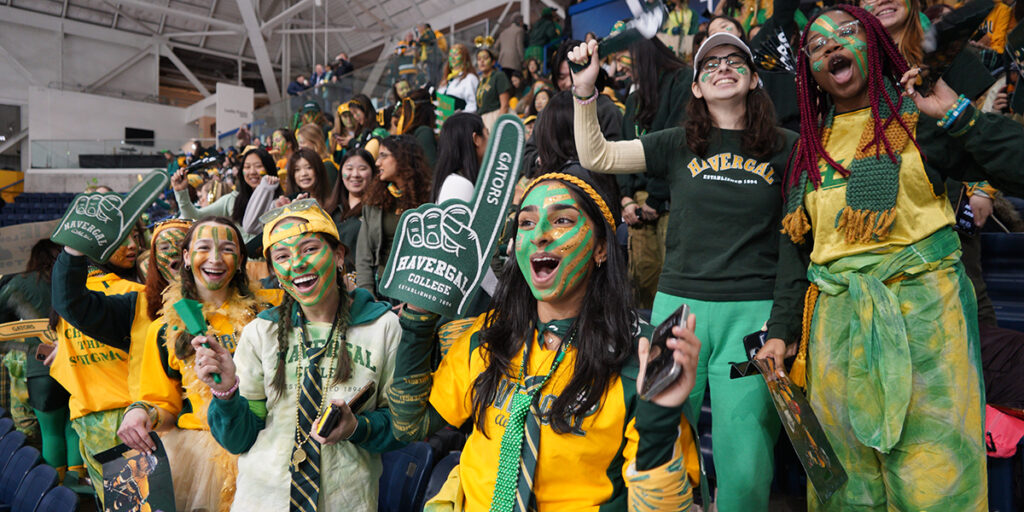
954 112
151 411
584 101
968 126
226 394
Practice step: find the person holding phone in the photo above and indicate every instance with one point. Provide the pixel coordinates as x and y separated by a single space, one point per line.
549 377
724 168
294 361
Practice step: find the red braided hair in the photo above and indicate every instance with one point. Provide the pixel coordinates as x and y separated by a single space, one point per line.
884 62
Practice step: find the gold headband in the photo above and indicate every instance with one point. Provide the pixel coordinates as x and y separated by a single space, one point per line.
171 224
561 176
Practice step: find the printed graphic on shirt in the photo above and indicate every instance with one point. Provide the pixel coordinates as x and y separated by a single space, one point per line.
726 161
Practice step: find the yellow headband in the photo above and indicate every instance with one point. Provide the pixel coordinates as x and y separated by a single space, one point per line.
561 176
316 221
171 224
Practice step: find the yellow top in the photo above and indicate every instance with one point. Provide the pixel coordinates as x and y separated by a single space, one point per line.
95 374
919 212
575 470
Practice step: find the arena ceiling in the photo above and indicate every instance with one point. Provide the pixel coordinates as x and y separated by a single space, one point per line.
205 41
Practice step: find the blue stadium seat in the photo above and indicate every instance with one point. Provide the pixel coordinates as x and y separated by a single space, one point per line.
405 477
6 425
59 499
21 462
10 444
1002 264
439 475
37 482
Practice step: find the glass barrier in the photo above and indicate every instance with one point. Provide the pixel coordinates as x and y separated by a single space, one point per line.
67 154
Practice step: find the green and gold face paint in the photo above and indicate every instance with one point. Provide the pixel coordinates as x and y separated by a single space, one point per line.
454 58
214 255
127 253
555 243
846 33
167 251
304 264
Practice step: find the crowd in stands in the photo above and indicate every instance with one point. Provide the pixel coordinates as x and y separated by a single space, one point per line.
778 167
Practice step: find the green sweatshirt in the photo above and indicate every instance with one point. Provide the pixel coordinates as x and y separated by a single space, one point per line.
723 234
991 149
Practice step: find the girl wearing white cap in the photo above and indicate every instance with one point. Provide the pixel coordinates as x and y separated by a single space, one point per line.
724 167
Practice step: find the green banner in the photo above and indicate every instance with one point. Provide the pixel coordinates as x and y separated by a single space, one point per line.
441 252
96 224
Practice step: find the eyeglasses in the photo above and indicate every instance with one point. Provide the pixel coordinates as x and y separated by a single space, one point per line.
816 45
733 60
293 207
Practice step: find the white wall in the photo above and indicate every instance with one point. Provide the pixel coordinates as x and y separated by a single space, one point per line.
62 115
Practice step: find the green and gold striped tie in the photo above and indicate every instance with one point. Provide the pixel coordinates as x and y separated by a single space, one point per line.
306 472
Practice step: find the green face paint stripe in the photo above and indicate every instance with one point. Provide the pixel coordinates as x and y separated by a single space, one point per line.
741 70
705 77
320 263
573 266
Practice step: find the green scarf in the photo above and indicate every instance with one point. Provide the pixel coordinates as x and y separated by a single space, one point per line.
873 181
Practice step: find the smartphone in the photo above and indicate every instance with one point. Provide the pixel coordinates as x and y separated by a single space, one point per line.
662 369
329 421
43 350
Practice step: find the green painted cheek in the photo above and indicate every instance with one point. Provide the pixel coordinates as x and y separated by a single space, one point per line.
573 268
705 77
320 263
741 70
817 65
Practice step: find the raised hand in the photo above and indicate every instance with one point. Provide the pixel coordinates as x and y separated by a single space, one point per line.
583 81
440 252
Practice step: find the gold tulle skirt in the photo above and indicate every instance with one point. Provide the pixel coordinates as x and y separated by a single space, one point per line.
203 472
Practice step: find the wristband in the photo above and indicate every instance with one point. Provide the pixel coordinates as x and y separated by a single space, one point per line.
954 112
151 411
584 101
968 126
226 394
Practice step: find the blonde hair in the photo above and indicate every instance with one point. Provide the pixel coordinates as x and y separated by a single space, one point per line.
315 135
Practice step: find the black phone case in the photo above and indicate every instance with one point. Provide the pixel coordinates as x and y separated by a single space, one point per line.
658 371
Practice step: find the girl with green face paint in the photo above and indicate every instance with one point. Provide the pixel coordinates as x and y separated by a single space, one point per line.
305 265
555 242
213 255
167 252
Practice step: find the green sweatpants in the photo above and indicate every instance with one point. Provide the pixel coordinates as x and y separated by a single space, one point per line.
744 424
60 441
97 432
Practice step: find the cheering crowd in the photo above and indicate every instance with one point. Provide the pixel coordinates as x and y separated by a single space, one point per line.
816 182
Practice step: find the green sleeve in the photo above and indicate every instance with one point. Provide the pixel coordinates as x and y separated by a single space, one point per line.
373 432
657 428
412 416
791 284
105 318
236 422
660 152
425 136
220 208
990 144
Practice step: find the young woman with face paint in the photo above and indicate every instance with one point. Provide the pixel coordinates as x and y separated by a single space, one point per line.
101 329
257 167
889 336
169 394
368 132
723 169
294 361
560 324
460 80
403 183
346 204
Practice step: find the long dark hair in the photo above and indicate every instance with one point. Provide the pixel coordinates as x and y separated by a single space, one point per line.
413 170
339 196
415 110
651 59
322 187
760 137
456 152
343 369
244 190
605 326
554 133
365 105
885 62
41 259
240 281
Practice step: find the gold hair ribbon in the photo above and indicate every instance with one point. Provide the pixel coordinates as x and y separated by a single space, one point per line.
561 176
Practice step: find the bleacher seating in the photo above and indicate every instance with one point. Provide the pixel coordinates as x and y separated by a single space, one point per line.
10 444
439 475
1002 262
14 472
59 499
405 477
36 484
35 207
6 425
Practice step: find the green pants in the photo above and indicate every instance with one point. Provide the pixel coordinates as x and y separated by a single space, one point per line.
938 461
744 424
60 441
97 432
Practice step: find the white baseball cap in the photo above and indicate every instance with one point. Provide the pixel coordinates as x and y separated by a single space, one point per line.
716 40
